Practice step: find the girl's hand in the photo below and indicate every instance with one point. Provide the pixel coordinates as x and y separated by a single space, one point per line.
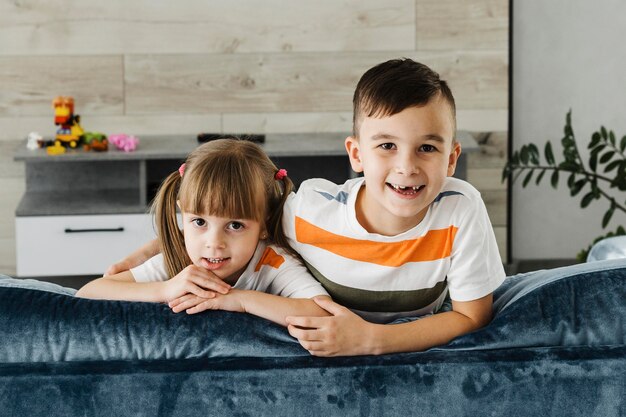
193 304
194 280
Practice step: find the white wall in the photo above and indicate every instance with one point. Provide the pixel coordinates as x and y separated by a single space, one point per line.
566 54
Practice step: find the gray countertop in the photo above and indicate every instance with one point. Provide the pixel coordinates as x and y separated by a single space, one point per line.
178 147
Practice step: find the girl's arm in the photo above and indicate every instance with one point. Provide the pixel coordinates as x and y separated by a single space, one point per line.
271 307
122 286
136 258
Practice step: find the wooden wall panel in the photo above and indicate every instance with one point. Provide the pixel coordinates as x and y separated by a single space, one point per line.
467 24
298 82
41 27
28 84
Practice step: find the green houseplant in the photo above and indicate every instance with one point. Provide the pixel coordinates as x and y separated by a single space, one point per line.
605 169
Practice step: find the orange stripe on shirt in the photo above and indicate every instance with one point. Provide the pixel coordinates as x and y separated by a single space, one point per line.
271 258
436 244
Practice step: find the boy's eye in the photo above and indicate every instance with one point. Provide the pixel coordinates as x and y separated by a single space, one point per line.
428 148
236 226
387 146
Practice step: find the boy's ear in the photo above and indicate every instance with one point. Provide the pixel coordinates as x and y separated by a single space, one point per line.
454 157
354 153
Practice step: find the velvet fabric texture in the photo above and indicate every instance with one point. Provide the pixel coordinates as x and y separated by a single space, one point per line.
556 347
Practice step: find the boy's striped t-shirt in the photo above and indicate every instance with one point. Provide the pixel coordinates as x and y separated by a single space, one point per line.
383 278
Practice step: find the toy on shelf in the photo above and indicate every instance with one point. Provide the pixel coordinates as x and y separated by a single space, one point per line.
95 141
70 132
34 141
56 149
126 143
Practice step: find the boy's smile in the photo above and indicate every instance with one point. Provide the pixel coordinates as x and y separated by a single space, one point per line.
405 159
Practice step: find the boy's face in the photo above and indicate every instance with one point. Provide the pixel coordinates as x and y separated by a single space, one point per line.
405 159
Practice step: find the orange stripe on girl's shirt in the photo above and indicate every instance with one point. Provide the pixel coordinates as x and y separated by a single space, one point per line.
436 244
271 258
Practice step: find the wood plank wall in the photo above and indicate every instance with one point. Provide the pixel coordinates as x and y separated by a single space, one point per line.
147 67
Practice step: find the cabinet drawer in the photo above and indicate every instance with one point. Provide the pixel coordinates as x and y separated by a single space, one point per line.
77 245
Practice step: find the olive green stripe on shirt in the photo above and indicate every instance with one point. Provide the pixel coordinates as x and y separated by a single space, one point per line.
379 301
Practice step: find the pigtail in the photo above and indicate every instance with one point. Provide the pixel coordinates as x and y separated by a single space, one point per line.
275 221
171 238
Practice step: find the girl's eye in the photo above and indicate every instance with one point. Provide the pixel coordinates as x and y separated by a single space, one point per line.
387 146
428 148
198 222
236 226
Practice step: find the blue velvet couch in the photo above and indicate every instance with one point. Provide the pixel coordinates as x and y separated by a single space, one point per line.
555 348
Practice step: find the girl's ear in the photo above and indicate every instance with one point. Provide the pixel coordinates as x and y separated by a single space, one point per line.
354 153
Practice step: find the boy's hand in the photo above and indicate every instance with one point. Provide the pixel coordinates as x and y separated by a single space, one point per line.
194 280
136 258
121 266
193 304
343 333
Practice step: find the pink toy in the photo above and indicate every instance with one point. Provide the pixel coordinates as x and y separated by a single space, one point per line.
124 142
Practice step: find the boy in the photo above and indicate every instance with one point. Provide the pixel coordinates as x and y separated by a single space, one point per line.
391 244
388 246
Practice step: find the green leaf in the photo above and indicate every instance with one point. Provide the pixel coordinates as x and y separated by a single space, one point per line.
569 166
554 180
604 133
612 137
567 142
587 199
524 155
568 118
613 165
607 157
622 145
598 148
595 139
550 155
540 176
533 153
528 178
593 161
571 179
609 213
578 185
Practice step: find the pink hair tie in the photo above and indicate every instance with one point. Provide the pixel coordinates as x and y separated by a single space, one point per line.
181 170
282 173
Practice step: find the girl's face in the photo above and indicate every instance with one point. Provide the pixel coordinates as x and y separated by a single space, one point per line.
221 245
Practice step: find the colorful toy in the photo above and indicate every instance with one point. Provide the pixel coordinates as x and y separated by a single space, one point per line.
56 149
95 141
124 142
34 141
70 131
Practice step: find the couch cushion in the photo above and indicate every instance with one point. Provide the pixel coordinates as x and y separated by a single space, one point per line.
581 305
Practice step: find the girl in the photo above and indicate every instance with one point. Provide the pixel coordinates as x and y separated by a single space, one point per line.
231 253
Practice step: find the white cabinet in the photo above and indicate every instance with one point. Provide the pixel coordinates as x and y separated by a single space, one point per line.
77 245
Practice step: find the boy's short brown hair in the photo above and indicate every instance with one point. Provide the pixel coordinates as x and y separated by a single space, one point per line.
395 85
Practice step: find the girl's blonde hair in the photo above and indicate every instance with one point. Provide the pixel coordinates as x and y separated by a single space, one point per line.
226 178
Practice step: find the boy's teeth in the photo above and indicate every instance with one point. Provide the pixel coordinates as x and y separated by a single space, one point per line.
402 188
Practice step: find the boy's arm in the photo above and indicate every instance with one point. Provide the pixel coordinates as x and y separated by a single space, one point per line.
269 306
136 258
345 333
